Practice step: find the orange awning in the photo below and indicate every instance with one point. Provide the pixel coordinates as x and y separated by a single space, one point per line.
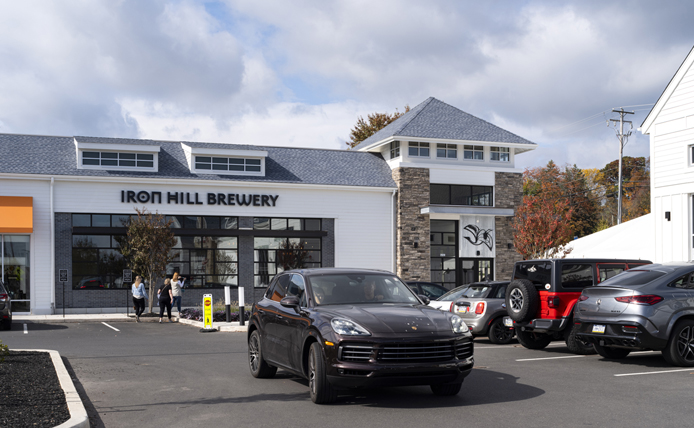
16 214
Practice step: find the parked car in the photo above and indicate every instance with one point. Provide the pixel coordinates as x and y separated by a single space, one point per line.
5 307
649 308
482 306
543 293
92 282
445 302
344 328
429 289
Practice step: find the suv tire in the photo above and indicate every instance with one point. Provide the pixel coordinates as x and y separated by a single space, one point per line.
678 351
532 340
256 362
522 300
575 344
322 392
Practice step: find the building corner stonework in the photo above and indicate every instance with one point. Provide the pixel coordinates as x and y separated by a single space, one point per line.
413 262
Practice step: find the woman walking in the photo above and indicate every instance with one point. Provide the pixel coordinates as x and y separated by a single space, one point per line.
176 284
138 297
165 298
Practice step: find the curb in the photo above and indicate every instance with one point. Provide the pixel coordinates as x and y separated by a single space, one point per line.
232 327
78 414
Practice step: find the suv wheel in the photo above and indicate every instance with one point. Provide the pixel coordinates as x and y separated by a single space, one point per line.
522 300
321 390
499 333
576 345
256 362
678 351
533 340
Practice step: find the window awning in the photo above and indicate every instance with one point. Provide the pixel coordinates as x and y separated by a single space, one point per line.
16 214
454 209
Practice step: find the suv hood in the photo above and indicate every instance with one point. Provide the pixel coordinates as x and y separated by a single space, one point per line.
393 318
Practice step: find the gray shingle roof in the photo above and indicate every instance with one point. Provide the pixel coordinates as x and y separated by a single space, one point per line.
436 119
47 155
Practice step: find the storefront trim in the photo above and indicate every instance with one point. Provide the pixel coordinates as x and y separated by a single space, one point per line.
488 211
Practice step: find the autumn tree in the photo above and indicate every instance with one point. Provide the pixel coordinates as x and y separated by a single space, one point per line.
148 247
374 123
636 195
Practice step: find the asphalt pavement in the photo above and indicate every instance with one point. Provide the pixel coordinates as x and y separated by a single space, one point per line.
171 375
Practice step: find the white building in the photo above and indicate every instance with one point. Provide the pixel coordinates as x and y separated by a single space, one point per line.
667 234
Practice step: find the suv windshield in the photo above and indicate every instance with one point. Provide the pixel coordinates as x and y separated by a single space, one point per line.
537 273
347 289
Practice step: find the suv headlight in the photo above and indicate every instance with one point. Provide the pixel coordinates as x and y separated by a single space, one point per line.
458 325
346 327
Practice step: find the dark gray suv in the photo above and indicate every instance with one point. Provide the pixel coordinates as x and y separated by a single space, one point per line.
5 308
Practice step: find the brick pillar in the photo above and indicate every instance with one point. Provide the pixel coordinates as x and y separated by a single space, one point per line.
412 227
509 193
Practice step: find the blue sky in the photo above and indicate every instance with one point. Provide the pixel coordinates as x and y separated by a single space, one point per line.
300 73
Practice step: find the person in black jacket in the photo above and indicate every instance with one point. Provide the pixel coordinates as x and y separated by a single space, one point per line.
165 299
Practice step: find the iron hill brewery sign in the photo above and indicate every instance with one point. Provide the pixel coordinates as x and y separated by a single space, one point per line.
194 198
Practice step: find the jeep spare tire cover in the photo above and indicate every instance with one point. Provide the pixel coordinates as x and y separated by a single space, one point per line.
522 300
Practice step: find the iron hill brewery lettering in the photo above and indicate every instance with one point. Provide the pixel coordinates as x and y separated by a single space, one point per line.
194 198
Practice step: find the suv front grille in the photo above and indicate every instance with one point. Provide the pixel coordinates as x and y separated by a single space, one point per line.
427 352
356 353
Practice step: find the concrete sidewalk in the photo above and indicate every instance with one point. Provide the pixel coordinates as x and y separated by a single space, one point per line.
75 318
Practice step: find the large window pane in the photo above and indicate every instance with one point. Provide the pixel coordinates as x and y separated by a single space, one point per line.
440 194
81 220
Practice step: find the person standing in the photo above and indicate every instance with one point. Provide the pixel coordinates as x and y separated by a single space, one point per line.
165 299
138 289
176 292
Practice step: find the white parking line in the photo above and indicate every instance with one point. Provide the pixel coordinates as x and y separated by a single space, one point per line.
109 326
658 372
26 330
551 358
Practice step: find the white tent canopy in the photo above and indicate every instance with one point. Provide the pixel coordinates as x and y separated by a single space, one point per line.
633 239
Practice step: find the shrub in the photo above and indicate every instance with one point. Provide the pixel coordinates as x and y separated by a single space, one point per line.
5 350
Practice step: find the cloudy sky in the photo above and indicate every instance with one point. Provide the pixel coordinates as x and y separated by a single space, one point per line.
300 73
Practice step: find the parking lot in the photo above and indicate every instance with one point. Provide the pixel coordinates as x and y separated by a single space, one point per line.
170 375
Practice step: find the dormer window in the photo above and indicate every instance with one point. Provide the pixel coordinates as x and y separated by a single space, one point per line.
117 157
205 160
227 164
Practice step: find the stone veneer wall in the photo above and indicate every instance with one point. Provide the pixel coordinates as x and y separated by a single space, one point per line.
412 227
509 194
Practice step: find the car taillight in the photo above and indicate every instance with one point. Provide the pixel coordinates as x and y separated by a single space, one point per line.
451 309
480 308
642 299
3 297
553 302
630 329
583 297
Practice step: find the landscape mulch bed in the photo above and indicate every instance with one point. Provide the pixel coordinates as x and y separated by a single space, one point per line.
30 393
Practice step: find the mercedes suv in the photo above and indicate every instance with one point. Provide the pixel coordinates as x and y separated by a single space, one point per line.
542 294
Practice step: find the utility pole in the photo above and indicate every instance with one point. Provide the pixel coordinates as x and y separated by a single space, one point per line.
622 142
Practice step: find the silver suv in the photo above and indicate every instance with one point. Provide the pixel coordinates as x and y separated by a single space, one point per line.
650 307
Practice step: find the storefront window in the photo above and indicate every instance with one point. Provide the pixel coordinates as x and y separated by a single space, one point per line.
206 260
16 270
275 255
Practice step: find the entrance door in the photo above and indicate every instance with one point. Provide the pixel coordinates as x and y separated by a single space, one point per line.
15 270
475 270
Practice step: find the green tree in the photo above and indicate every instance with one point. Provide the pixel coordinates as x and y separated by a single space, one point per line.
374 123
636 194
585 214
148 247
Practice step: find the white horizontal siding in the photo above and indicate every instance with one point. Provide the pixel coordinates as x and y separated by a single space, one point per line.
40 244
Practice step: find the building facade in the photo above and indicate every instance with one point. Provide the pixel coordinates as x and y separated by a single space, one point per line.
458 189
431 197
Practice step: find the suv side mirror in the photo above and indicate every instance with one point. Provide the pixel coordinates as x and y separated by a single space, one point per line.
291 302
424 299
